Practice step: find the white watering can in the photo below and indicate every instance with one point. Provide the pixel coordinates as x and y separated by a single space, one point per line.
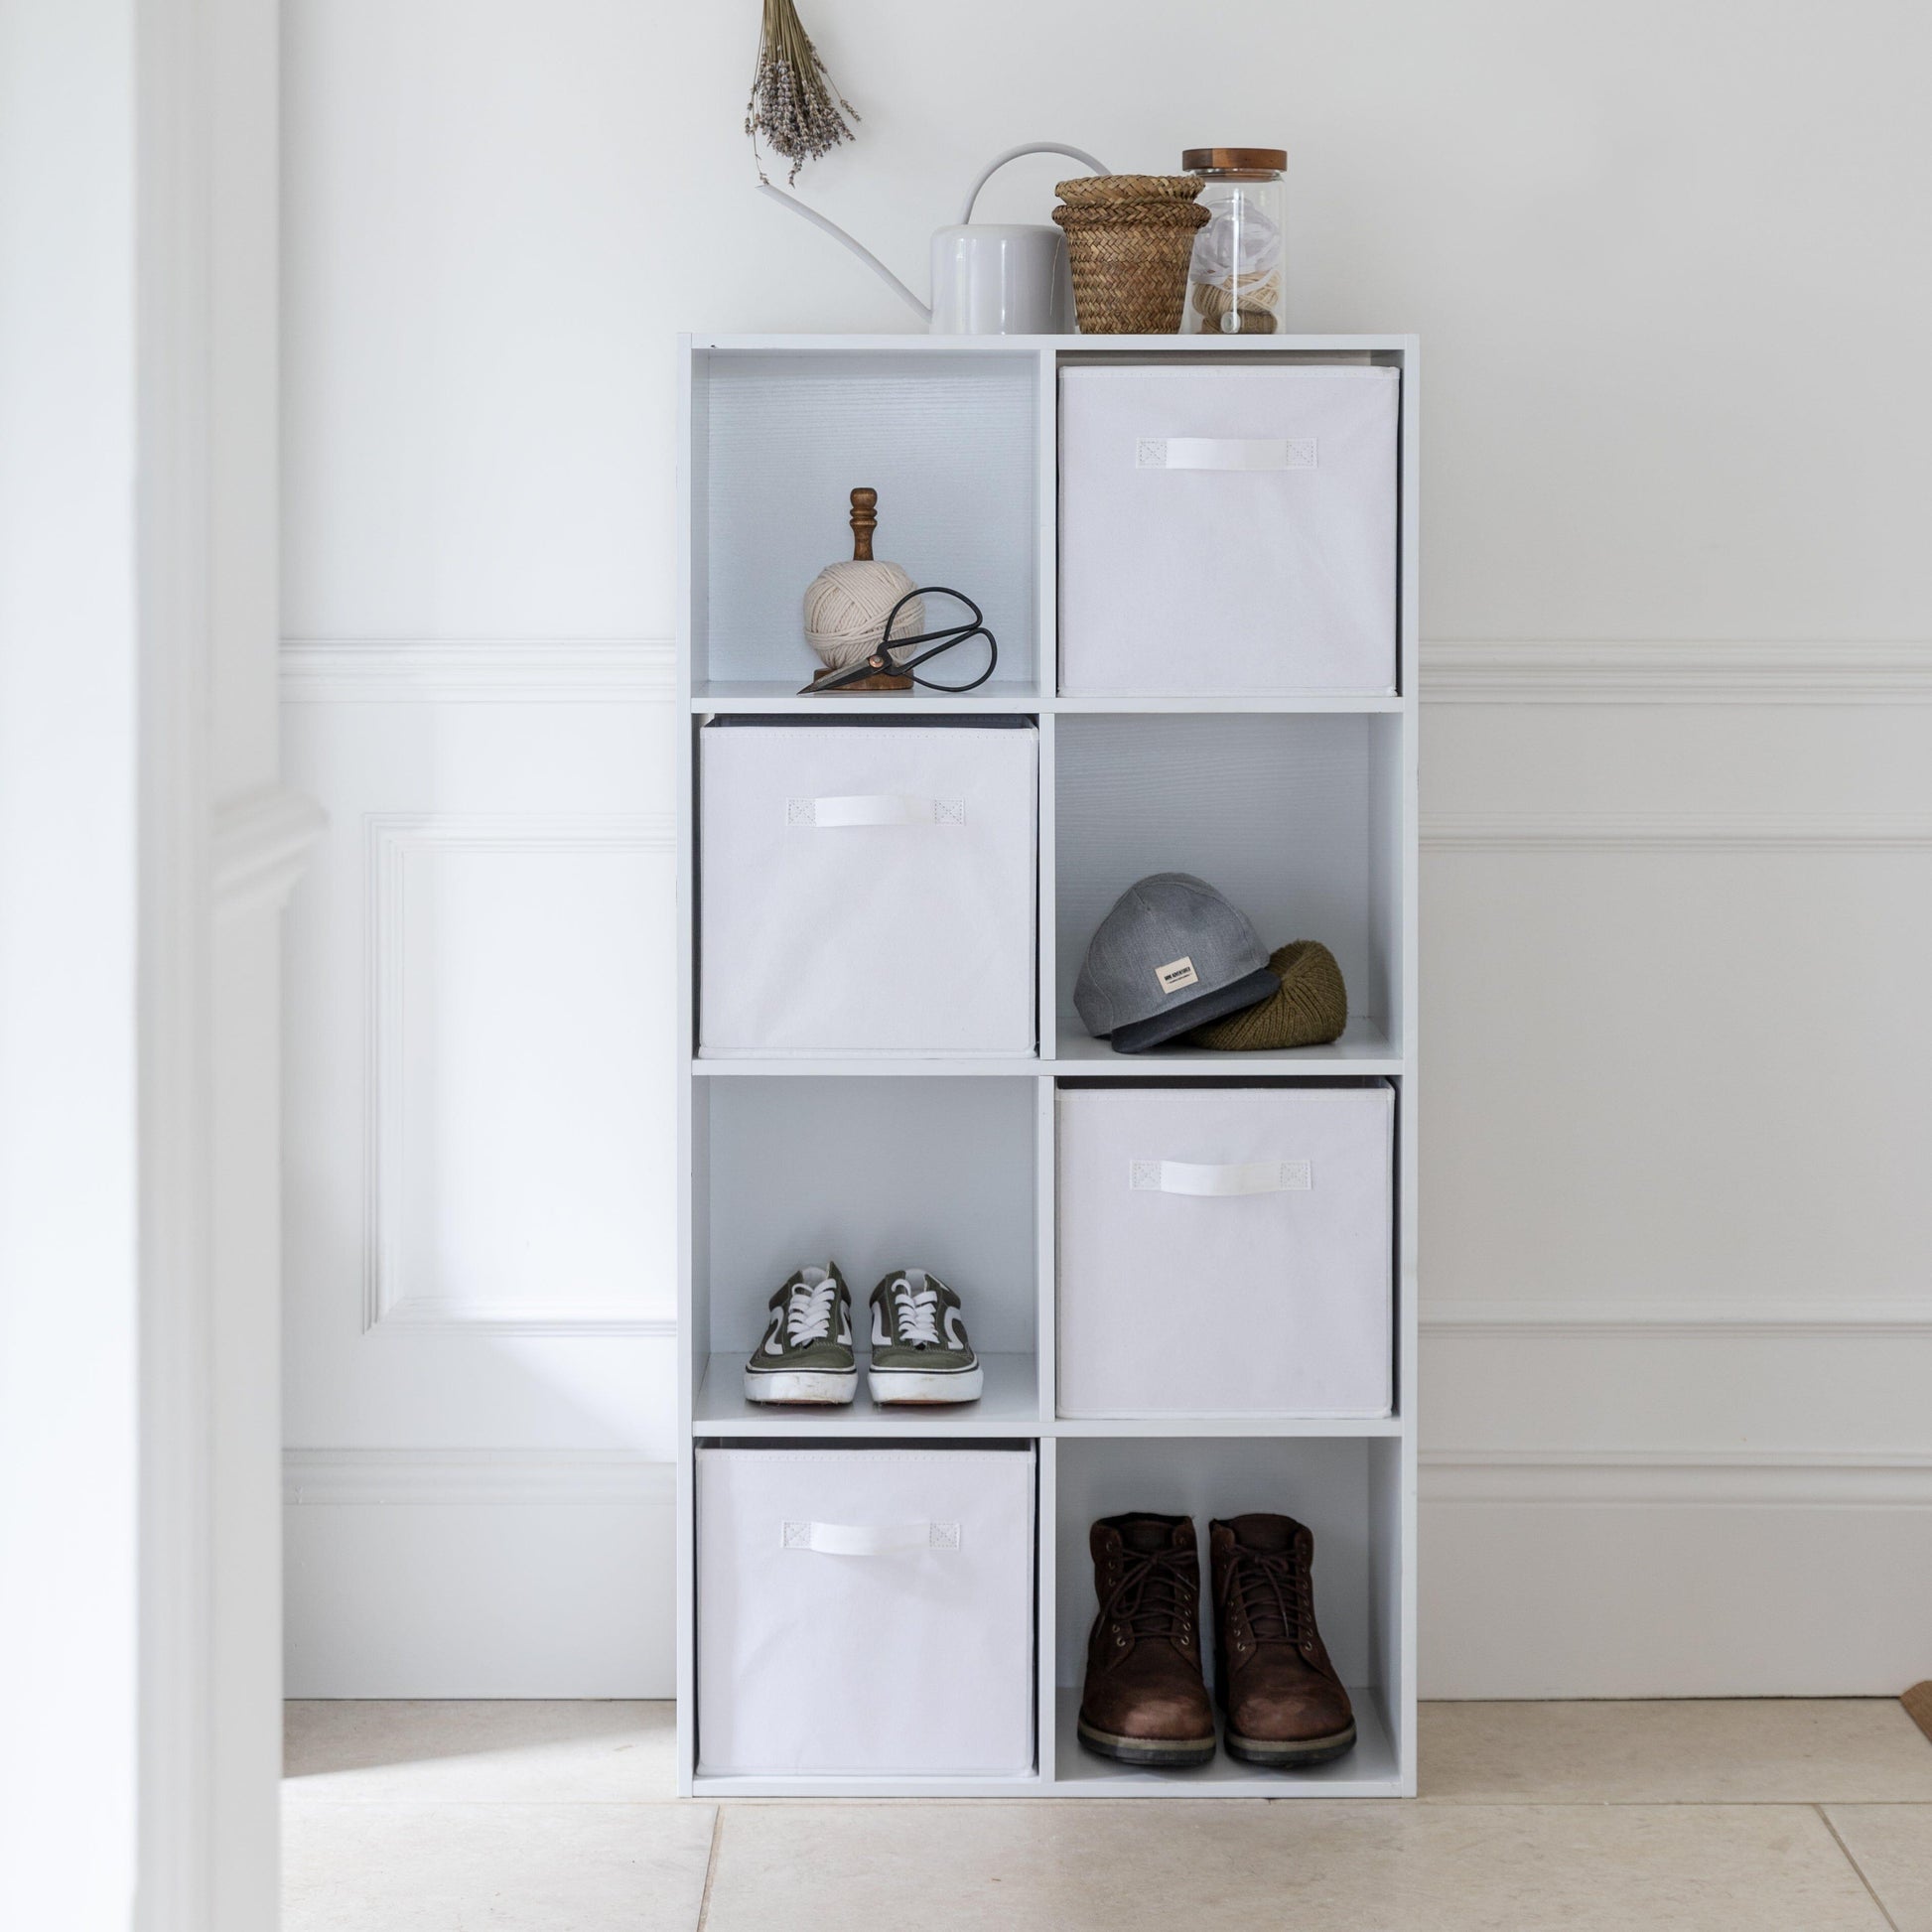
988 278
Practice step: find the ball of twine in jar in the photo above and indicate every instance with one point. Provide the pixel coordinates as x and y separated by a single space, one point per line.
1251 292
1235 273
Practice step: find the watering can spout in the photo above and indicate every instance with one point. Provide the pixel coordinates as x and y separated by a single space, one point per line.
986 281
858 248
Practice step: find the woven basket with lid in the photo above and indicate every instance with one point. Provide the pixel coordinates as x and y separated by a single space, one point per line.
1107 190
1128 240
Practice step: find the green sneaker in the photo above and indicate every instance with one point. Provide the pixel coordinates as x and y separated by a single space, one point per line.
806 1353
919 1351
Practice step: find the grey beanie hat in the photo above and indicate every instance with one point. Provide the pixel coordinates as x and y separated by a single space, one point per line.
1172 955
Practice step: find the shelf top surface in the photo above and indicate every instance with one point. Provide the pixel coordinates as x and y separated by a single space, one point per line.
1372 1766
910 342
1009 1406
1309 1062
1364 1048
776 695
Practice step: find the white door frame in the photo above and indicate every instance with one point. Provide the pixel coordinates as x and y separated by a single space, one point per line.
145 849
221 845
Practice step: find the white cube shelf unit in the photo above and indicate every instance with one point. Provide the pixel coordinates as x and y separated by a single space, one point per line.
1302 809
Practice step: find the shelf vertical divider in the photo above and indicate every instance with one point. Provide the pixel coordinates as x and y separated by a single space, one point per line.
1047 659
1047 524
1047 963
690 1168
1408 1115
1046 1616
1047 1252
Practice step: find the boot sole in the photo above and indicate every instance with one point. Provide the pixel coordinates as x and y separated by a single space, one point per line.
1156 1752
1279 1755
889 1385
828 1386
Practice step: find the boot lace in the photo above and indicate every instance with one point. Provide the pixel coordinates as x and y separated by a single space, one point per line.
808 1314
917 1313
1156 1593
1270 1590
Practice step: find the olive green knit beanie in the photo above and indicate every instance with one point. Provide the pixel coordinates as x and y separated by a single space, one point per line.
1311 1009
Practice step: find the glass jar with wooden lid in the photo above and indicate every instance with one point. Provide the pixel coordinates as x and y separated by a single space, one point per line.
1235 276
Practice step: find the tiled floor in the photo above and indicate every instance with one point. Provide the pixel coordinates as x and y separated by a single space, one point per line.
1764 1817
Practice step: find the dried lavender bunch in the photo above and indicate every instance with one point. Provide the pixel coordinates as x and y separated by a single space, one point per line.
794 106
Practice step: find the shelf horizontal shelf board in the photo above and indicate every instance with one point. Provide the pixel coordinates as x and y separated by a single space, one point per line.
751 697
801 1785
1088 1059
891 1066
1363 1049
1133 1428
1009 1407
755 695
910 344
1244 703
1373 1769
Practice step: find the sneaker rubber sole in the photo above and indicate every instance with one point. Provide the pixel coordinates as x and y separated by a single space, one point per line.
819 1385
1156 1754
887 1385
1289 1754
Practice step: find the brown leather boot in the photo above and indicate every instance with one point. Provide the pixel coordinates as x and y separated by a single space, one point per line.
1284 1705
1144 1702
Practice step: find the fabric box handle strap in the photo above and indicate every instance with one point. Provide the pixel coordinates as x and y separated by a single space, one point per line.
875 808
869 1539
1224 1178
1225 452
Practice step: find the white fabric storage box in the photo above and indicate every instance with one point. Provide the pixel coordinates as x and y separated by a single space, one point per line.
1226 1251
1227 531
865 1611
866 888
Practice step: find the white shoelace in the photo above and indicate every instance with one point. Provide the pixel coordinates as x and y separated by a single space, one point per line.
919 1315
808 1314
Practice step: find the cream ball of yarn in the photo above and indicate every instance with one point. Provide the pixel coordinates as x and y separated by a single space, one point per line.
846 607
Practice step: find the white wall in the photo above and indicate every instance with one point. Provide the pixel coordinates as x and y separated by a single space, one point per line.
1678 803
68 1157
